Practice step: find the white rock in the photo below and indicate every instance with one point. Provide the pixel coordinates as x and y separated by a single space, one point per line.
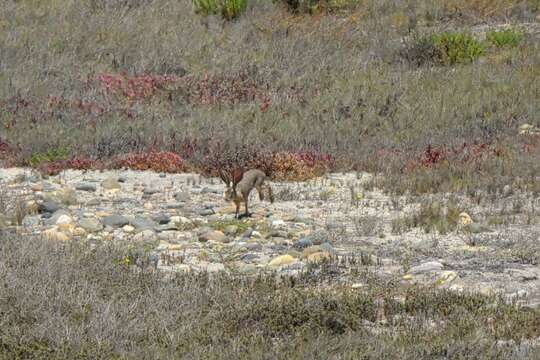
64 219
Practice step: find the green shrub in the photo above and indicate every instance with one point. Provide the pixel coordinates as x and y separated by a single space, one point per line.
503 38
315 6
456 48
229 9
53 154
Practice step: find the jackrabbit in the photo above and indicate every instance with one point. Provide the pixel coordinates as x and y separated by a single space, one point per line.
240 183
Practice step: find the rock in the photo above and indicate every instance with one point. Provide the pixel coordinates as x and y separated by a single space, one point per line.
182 196
281 261
167 227
231 230
64 219
128 229
465 219
427 267
145 237
319 257
247 234
111 184
247 269
278 223
150 190
28 221
253 246
53 218
48 206
162 219
303 243
176 205
507 190
86 186
213 267
93 202
162 175
278 233
91 225
115 221
142 223
215 235
206 212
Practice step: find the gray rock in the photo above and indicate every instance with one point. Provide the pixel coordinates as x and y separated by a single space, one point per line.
303 243
278 233
91 225
167 227
206 212
49 206
231 230
115 221
162 175
254 247
182 196
249 257
122 179
213 235
142 223
30 221
426 267
145 237
86 186
93 202
247 234
111 184
162 219
51 220
176 205
247 269
150 190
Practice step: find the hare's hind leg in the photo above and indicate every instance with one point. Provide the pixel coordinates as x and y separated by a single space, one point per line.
260 190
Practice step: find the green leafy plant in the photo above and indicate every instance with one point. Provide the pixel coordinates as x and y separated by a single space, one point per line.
456 48
229 9
505 38
53 154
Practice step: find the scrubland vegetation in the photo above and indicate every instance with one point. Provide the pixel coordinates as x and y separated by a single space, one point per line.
430 96
409 89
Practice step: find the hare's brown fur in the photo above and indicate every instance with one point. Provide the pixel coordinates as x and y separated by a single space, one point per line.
239 186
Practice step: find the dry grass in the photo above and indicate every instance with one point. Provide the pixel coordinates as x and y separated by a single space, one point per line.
334 83
71 300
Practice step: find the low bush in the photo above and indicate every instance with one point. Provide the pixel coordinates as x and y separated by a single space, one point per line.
505 38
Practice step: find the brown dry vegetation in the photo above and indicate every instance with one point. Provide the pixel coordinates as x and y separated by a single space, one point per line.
99 79
69 300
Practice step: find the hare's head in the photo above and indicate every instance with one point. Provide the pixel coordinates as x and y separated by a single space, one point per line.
231 179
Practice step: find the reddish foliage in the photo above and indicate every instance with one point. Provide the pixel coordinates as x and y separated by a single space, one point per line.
136 87
157 161
467 153
300 165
